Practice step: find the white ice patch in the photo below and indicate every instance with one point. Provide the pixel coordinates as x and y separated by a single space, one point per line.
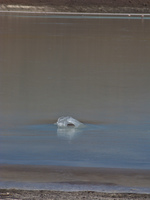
64 122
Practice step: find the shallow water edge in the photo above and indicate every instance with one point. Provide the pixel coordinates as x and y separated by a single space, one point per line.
63 178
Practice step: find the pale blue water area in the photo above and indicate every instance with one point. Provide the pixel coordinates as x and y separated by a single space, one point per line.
122 146
73 187
95 69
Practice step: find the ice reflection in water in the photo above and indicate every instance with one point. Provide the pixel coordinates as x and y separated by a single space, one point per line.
68 132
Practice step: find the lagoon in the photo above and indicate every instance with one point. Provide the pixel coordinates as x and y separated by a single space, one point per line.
95 69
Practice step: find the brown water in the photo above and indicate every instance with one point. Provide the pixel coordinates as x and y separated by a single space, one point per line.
94 69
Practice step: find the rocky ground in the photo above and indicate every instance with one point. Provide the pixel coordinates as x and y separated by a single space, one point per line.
98 6
57 195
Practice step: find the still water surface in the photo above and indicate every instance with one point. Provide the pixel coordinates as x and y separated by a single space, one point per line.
94 69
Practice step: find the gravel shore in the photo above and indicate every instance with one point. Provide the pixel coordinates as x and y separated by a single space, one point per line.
60 195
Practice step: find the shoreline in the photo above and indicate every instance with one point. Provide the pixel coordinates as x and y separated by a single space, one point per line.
59 182
120 177
79 13
88 195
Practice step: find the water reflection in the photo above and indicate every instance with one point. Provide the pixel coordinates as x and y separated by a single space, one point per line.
68 133
95 145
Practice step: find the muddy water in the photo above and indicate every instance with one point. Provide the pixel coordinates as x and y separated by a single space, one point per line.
94 69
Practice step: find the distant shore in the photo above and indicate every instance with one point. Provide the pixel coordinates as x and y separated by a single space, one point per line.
80 6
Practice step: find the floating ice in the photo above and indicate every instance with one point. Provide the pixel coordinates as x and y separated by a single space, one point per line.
63 122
